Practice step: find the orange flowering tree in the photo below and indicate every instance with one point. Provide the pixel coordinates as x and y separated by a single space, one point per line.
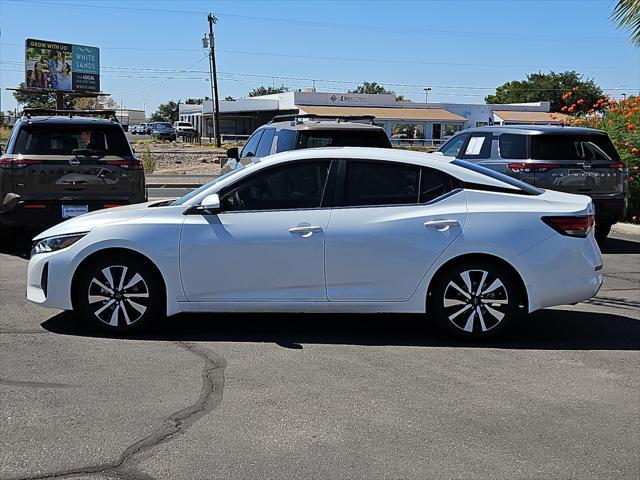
621 120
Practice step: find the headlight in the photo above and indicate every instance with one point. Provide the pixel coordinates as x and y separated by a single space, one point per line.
52 244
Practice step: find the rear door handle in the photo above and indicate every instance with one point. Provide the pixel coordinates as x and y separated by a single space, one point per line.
441 225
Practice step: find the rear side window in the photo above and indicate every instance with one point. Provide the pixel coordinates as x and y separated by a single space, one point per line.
65 140
264 147
513 147
433 184
251 146
573 147
381 183
478 146
343 138
286 140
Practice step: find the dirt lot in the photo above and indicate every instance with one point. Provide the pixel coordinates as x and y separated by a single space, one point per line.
176 158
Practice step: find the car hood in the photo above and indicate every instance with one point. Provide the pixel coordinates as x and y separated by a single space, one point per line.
88 221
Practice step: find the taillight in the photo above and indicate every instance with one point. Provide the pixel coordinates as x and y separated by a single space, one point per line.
127 164
571 226
617 166
13 162
532 167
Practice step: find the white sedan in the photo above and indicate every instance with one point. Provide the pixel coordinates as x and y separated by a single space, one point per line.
356 230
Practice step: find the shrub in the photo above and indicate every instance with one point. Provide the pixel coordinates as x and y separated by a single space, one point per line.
148 162
621 120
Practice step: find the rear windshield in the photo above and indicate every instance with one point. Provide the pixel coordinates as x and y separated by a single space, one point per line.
63 140
573 147
524 187
343 138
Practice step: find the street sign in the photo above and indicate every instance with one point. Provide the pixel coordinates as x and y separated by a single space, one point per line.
62 66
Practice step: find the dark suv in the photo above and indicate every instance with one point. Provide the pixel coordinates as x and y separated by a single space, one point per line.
568 159
60 166
294 132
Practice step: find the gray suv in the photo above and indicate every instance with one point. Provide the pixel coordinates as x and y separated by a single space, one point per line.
59 164
294 132
568 159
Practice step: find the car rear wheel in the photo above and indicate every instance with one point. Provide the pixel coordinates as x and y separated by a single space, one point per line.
120 294
602 231
476 300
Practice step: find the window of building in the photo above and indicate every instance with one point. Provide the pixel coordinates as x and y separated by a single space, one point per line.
294 186
451 129
407 130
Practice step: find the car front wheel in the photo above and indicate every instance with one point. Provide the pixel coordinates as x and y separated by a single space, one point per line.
476 300
118 294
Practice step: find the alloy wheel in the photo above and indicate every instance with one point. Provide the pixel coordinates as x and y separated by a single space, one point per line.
118 296
476 300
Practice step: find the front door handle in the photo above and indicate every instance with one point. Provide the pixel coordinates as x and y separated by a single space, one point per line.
441 225
306 230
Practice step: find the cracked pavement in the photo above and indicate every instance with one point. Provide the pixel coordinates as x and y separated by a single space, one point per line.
323 396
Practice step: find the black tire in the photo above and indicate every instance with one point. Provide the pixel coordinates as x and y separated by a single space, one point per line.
602 231
474 311
113 304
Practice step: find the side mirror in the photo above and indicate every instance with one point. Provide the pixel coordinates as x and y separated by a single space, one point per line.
211 203
233 153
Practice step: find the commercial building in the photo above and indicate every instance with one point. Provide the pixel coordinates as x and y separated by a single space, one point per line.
404 122
128 117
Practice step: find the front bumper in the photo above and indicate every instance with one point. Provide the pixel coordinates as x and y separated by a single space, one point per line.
41 290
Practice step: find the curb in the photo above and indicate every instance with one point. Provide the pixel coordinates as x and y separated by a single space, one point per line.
174 185
628 228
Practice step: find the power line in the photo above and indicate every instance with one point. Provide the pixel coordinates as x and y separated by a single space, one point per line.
402 30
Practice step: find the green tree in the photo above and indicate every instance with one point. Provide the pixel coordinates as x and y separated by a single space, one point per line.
166 112
627 14
376 89
256 92
551 87
44 100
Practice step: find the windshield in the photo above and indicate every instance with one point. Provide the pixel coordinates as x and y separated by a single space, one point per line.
163 126
525 187
206 186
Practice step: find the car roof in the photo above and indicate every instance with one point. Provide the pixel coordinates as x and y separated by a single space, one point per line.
535 130
321 125
64 120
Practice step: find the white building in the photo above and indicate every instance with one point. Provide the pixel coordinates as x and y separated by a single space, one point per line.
128 117
412 122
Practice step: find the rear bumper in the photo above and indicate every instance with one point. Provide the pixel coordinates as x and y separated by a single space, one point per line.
561 270
42 214
611 209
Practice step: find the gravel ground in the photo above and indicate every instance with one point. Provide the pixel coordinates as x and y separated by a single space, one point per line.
181 159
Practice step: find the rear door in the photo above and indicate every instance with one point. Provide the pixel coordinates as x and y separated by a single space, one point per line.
577 163
73 162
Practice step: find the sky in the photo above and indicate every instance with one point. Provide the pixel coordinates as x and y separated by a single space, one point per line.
151 50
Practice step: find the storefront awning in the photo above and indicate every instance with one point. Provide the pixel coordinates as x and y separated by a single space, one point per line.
388 113
529 117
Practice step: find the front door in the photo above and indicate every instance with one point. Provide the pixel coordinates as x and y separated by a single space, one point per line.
394 222
266 245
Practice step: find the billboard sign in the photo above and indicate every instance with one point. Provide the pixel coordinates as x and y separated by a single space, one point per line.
62 66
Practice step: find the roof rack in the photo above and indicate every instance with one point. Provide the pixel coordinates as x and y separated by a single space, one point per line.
296 119
52 112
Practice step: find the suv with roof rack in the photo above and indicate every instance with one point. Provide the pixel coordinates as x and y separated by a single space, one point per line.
294 132
59 164
569 159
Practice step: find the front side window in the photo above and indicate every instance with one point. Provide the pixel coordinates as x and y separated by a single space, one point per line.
512 146
249 149
380 183
295 186
264 147
453 146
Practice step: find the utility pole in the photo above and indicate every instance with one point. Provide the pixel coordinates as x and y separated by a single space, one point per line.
214 79
426 94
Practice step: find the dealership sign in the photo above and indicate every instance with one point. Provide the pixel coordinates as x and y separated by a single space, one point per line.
62 66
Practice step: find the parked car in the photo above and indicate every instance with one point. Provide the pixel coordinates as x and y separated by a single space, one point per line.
568 159
184 128
293 132
358 230
163 131
58 167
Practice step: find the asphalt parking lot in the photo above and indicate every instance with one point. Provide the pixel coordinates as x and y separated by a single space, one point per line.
324 396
